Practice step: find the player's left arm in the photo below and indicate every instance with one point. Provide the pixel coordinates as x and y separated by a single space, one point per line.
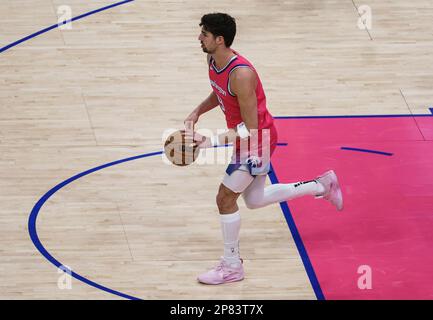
243 83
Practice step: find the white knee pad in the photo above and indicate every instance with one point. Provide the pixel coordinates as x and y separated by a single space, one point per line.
238 181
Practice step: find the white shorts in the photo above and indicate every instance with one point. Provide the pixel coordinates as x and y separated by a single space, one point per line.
240 175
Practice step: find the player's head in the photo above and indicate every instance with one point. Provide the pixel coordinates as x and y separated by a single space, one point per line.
218 29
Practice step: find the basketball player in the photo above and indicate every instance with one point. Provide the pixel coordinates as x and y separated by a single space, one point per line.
237 89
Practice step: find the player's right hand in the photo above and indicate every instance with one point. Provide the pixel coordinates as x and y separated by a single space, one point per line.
190 121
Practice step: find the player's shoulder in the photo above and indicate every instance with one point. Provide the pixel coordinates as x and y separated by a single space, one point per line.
242 72
242 80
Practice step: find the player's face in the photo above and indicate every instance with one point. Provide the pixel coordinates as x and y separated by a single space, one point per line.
207 41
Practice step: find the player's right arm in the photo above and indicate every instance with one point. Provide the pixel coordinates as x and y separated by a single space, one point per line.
208 104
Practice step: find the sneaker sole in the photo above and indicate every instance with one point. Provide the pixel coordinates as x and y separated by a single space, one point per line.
215 284
338 190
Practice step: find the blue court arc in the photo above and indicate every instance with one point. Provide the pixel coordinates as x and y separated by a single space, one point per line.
32 227
54 26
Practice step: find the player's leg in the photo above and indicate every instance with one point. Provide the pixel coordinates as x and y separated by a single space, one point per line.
257 195
230 267
230 190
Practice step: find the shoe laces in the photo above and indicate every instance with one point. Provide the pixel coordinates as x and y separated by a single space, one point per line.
220 266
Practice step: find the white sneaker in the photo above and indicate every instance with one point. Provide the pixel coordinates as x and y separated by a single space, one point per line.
222 273
332 189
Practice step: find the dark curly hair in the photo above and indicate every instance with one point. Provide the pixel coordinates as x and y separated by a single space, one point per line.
220 24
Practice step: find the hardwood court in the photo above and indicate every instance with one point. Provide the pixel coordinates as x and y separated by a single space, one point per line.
106 90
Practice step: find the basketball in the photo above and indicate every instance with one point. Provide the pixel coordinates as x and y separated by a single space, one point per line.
180 149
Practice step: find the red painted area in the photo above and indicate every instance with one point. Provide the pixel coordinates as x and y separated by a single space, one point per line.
387 222
425 124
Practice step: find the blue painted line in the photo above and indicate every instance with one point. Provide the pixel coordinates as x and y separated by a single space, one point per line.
431 110
9 46
223 145
298 241
34 215
27 38
368 151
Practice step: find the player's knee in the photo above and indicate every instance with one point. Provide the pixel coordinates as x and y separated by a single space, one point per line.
225 199
224 202
219 199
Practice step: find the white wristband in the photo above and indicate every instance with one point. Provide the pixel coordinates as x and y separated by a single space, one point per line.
214 140
242 131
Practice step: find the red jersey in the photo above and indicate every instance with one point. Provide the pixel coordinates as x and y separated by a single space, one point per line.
220 82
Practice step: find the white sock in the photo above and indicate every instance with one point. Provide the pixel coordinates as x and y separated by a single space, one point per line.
230 226
256 196
283 192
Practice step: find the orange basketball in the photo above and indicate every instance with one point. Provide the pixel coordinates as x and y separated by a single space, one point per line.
180 149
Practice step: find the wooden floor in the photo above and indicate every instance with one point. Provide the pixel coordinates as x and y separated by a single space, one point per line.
71 100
